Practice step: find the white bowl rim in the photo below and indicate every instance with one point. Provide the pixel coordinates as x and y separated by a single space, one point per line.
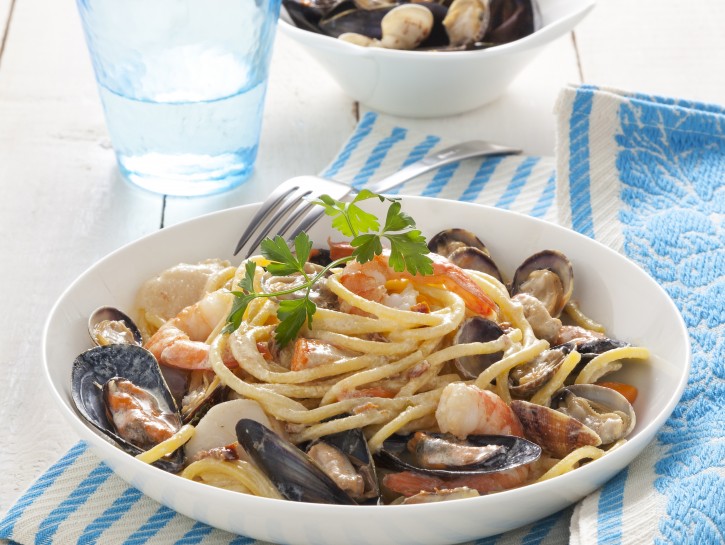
541 35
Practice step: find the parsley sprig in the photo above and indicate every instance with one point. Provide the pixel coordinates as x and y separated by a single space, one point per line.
408 252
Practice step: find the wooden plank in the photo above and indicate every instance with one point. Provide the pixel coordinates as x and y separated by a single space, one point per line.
665 48
62 207
5 14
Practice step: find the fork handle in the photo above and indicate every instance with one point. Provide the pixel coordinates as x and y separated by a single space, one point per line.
458 152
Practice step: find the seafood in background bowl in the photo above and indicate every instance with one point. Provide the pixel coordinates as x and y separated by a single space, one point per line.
427 59
450 25
437 454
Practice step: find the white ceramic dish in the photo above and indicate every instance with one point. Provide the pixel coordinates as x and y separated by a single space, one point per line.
610 288
433 84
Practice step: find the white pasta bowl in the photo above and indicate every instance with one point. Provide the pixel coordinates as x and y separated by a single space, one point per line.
610 289
430 83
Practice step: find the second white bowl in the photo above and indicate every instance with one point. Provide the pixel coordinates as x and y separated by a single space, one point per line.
433 84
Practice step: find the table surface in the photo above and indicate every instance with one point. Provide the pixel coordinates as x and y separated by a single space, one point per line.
63 204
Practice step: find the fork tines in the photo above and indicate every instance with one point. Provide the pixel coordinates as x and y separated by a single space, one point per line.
287 204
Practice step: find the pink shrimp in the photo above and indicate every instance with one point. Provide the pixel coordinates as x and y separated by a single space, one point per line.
368 281
465 410
180 341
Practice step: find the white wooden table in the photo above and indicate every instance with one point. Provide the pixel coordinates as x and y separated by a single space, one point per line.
63 204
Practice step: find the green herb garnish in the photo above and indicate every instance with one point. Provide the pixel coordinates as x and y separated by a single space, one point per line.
408 252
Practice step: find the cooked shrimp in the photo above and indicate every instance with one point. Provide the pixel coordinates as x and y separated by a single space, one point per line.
409 483
368 281
180 341
311 353
465 409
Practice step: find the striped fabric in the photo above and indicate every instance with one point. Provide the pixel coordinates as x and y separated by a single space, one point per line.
604 191
646 176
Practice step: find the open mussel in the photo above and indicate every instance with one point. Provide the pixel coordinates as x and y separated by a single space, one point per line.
294 473
346 459
444 455
510 20
120 390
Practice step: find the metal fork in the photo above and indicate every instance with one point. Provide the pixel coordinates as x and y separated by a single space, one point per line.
292 198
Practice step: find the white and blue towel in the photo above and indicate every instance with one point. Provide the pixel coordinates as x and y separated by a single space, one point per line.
645 175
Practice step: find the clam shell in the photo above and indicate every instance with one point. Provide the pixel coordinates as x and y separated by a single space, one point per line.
477 329
602 400
550 260
475 259
555 432
112 314
449 240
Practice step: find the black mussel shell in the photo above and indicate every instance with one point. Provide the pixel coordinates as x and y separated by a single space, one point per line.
591 349
516 452
438 36
352 443
294 474
510 21
306 14
320 256
95 367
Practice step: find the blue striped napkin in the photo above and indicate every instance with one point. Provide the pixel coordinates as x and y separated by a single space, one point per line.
642 174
